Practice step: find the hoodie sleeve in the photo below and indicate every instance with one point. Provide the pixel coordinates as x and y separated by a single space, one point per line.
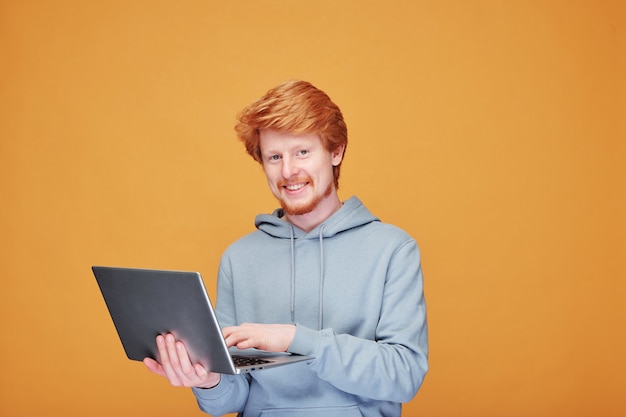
231 394
391 367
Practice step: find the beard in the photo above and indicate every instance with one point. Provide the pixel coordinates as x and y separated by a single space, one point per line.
307 206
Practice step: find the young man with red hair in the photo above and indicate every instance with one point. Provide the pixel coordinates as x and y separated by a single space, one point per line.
319 277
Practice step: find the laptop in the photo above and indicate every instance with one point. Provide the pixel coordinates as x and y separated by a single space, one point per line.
144 303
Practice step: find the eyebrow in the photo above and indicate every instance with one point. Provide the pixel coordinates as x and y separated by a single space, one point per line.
300 144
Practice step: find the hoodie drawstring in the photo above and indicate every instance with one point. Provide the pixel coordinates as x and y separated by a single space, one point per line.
293 278
321 313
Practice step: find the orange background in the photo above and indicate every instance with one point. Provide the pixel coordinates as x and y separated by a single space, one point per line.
494 132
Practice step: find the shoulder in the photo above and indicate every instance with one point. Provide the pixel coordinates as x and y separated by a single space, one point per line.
250 241
387 232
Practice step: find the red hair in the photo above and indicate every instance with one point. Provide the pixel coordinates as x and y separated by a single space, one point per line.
295 107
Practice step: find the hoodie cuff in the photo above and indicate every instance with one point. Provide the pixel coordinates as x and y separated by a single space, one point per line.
306 341
221 389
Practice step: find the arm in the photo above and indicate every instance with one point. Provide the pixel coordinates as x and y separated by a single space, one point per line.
231 394
391 367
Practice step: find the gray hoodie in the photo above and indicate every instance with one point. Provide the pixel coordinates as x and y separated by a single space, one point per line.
353 286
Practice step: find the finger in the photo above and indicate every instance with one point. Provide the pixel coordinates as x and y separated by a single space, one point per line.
172 353
227 331
154 366
166 360
201 372
234 336
181 363
176 365
183 358
244 340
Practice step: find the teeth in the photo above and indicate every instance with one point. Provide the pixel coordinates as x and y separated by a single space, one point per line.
294 187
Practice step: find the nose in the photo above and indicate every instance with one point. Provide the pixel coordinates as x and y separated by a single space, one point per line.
289 168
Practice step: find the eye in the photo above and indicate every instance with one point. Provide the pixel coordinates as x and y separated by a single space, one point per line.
272 158
303 152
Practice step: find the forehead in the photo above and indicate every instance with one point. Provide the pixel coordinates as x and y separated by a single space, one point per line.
272 140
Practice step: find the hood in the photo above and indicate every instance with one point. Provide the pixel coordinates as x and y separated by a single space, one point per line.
351 215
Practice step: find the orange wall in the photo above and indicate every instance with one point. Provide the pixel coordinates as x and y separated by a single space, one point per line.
492 131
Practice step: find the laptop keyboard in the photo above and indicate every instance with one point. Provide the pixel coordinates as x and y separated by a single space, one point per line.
248 361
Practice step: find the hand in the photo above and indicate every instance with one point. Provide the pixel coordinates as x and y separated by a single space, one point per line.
177 367
270 337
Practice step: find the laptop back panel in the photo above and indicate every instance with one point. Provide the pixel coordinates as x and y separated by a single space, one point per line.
146 303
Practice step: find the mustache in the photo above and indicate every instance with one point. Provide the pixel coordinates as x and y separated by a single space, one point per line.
291 181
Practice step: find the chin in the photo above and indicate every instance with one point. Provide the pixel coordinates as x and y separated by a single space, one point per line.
305 207
297 210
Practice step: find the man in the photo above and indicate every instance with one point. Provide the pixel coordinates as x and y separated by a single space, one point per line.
319 277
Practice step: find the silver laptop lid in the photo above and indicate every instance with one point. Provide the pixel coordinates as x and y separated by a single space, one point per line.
144 303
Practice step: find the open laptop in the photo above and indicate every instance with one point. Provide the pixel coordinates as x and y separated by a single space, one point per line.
144 303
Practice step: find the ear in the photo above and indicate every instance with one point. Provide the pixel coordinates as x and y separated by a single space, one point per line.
337 155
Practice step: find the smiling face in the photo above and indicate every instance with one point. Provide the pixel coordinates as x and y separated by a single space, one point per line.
299 171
